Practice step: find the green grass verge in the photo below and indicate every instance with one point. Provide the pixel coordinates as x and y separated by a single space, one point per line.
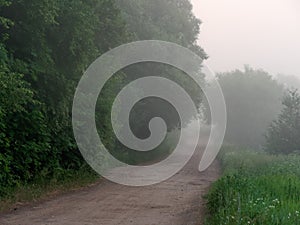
42 188
256 188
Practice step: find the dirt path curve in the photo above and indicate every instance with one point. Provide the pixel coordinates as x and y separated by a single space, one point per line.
177 201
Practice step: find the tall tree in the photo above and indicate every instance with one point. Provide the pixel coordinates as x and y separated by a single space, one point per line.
24 139
253 101
55 41
283 135
167 20
44 48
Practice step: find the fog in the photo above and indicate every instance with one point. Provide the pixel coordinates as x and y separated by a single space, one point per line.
264 34
117 90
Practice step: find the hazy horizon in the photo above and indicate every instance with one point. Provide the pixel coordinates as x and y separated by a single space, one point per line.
261 34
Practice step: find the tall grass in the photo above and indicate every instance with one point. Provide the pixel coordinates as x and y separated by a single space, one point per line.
256 188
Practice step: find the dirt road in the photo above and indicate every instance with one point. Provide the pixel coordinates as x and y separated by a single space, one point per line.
177 201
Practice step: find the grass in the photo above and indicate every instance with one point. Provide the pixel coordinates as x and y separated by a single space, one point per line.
256 188
42 189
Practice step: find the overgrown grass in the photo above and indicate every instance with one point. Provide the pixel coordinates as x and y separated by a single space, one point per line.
256 188
43 188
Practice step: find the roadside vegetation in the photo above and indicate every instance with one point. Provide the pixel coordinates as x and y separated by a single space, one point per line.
45 46
256 188
261 187
42 189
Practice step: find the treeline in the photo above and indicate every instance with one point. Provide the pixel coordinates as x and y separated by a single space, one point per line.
263 111
45 46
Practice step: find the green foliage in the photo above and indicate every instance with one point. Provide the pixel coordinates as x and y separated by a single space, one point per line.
256 188
14 91
167 20
253 101
283 134
45 46
24 139
4 22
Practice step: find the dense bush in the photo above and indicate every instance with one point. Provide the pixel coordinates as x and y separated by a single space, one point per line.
45 47
24 139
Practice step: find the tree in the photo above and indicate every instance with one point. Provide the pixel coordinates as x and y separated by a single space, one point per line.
289 81
283 135
55 41
24 139
253 100
44 48
167 20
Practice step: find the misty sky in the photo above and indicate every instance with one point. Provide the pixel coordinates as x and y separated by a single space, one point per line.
262 33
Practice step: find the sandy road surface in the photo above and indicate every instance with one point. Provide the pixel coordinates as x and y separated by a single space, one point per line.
177 201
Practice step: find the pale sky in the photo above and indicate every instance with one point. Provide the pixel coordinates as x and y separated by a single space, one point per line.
262 33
